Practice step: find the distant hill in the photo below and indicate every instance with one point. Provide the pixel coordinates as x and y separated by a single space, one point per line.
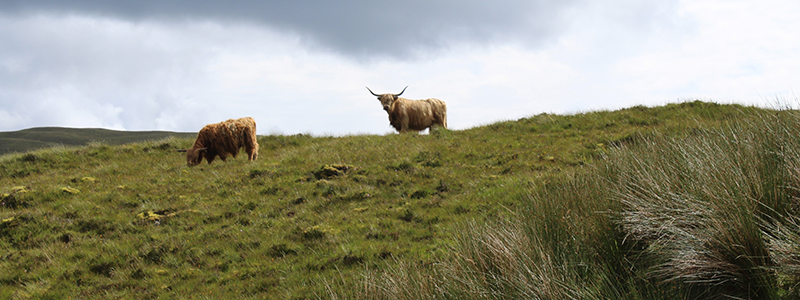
43 137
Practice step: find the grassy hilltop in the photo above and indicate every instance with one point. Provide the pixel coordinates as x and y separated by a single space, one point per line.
690 200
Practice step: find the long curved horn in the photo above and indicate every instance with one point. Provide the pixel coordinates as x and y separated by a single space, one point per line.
373 93
401 92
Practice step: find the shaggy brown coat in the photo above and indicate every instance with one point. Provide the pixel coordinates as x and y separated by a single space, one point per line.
417 115
223 139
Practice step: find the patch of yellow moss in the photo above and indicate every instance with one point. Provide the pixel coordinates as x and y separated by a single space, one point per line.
152 215
19 189
70 190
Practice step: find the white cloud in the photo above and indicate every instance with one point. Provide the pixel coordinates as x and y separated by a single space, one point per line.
742 51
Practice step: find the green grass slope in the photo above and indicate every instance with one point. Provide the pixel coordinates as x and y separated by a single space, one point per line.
304 220
42 137
712 214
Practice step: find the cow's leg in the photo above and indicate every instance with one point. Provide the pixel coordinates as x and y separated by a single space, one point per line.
251 147
251 152
404 124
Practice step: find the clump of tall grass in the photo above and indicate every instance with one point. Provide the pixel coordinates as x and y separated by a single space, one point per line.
490 262
560 246
709 215
699 206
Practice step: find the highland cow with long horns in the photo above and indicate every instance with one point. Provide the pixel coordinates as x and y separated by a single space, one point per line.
223 139
417 115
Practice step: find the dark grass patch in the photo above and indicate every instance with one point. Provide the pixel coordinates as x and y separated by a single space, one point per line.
429 159
14 201
99 227
261 173
420 194
392 236
101 267
280 250
29 158
271 191
313 233
408 215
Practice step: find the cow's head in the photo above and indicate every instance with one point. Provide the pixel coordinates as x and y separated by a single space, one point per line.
193 155
387 99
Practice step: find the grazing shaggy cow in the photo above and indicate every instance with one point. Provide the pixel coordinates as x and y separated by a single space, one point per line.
223 139
417 115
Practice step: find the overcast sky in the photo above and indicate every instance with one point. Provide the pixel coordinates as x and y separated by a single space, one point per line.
301 66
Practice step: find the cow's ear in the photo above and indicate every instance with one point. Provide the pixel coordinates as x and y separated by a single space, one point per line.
202 149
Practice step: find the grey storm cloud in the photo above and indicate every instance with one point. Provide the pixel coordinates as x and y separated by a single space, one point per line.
352 28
